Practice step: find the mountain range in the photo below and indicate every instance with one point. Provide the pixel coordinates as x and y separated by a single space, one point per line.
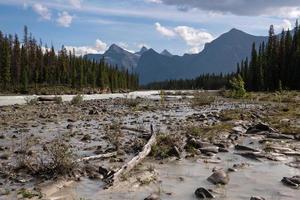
220 55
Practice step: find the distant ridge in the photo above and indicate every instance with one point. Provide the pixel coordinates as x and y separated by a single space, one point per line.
220 55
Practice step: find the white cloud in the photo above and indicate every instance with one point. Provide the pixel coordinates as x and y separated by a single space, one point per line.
64 19
42 11
164 31
286 24
194 50
75 3
193 37
153 1
99 47
289 12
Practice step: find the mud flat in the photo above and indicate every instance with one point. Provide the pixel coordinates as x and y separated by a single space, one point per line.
225 148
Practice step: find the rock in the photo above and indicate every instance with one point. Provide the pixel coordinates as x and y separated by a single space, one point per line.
236 167
86 137
260 127
285 121
203 193
280 136
251 155
239 129
211 149
257 198
91 172
219 177
175 152
104 172
93 112
70 126
153 196
197 143
244 148
292 181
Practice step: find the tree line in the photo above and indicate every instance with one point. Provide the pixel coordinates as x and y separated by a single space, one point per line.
274 65
29 64
206 81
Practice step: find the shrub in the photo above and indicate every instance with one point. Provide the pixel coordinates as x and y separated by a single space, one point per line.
58 100
165 144
77 99
202 99
31 101
130 102
57 160
238 87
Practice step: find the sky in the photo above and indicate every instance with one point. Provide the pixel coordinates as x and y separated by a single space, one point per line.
180 26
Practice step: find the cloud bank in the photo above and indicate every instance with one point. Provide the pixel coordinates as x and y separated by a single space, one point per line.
194 38
42 11
285 8
64 19
98 48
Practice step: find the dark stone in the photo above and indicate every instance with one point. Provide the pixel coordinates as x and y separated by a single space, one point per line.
250 155
70 126
203 193
257 198
244 148
86 137
260 127
292 182
280 136
175 152
103 171
197 143
219 177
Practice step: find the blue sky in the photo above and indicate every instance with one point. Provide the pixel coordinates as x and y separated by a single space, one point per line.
181 26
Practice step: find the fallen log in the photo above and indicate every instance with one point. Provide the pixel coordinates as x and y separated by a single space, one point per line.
107 155
116 177
47 98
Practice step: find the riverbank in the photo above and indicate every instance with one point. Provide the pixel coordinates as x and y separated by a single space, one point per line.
255 142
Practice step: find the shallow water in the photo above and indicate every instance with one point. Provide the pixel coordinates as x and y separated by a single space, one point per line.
259 179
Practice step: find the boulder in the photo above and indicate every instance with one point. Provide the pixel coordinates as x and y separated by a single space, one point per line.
219 177
260 127
203 193
291 181
197 143
244 148
251 155
280 136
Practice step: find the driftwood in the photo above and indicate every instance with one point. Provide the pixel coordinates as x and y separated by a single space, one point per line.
107 155
116 177
47 98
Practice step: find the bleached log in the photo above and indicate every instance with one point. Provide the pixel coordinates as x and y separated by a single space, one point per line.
116 177
96 157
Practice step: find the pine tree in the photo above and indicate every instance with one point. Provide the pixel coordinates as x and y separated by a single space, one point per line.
5 63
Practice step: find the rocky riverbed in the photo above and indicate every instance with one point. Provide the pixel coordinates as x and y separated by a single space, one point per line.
205 147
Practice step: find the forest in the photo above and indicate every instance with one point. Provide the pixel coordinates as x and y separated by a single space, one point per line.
206 81
28 65
273 66
276 65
